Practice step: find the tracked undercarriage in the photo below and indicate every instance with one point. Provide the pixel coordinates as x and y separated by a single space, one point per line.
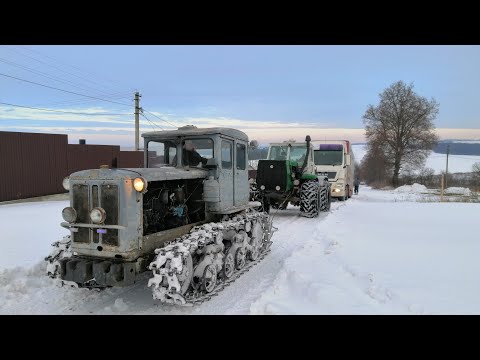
198 265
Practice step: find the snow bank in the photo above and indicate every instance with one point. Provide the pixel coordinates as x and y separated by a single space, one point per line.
28 230
415 188
382 258
458 191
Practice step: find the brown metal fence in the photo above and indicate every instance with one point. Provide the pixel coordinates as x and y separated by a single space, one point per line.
130 159
81 157
35 164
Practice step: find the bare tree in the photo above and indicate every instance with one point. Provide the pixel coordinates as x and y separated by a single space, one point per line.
403 124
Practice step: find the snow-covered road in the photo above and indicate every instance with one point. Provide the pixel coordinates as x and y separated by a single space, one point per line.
27 290
379 252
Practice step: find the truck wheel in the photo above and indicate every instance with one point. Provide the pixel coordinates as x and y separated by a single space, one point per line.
310 199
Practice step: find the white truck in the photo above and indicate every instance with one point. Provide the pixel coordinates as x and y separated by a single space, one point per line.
334 159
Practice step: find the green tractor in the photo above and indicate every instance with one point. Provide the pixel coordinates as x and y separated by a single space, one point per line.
288 176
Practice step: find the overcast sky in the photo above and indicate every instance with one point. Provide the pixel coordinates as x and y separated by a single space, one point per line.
272 93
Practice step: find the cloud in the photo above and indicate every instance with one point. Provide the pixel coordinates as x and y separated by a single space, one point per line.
92 115
98 128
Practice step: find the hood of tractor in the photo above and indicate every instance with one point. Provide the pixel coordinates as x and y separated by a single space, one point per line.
150 174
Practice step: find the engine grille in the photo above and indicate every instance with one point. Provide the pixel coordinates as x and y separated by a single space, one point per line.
85 198
272 173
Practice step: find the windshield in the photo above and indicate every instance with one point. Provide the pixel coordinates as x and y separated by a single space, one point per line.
328 157
298 153
161 153
278 153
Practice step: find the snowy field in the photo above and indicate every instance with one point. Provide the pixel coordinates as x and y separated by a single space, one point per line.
436 161
381 252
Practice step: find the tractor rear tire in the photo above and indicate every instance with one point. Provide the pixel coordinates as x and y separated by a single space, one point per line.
310 199
325 199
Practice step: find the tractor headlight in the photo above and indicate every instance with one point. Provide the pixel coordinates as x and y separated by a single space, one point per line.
277 188
69 214
262 187
98 215
140 184
296 182
66 183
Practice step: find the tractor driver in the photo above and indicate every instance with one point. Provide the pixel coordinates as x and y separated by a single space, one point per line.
191 156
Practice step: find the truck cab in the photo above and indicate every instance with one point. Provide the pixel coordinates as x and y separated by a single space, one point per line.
334 159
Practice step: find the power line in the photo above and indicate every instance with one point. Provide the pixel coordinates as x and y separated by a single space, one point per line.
151 122
64 112
81 101
53 66
67 91
74 67
49 76
160 118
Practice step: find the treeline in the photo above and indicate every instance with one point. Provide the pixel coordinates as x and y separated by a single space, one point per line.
426 176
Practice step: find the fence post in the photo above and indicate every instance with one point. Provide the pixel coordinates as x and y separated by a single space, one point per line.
441 188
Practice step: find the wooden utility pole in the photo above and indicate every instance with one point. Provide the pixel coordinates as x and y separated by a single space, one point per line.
137 120
446 169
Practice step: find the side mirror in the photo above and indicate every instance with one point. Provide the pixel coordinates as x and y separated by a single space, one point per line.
253 144
211 163
347 160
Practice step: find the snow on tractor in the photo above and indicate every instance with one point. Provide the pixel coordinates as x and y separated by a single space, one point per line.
186 217
288 176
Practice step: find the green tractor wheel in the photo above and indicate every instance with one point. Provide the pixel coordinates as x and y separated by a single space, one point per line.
310 199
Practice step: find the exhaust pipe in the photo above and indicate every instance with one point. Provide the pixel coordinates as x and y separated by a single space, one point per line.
308 139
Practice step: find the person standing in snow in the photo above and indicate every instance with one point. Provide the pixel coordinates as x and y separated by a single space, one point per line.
356 184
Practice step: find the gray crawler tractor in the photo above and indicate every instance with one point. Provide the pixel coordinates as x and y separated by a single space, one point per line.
186 217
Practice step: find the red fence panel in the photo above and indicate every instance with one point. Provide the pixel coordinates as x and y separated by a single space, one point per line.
31 164
130 159
83 157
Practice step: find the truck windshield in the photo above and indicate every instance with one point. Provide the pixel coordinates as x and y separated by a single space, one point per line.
278 153
328 157
161 153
